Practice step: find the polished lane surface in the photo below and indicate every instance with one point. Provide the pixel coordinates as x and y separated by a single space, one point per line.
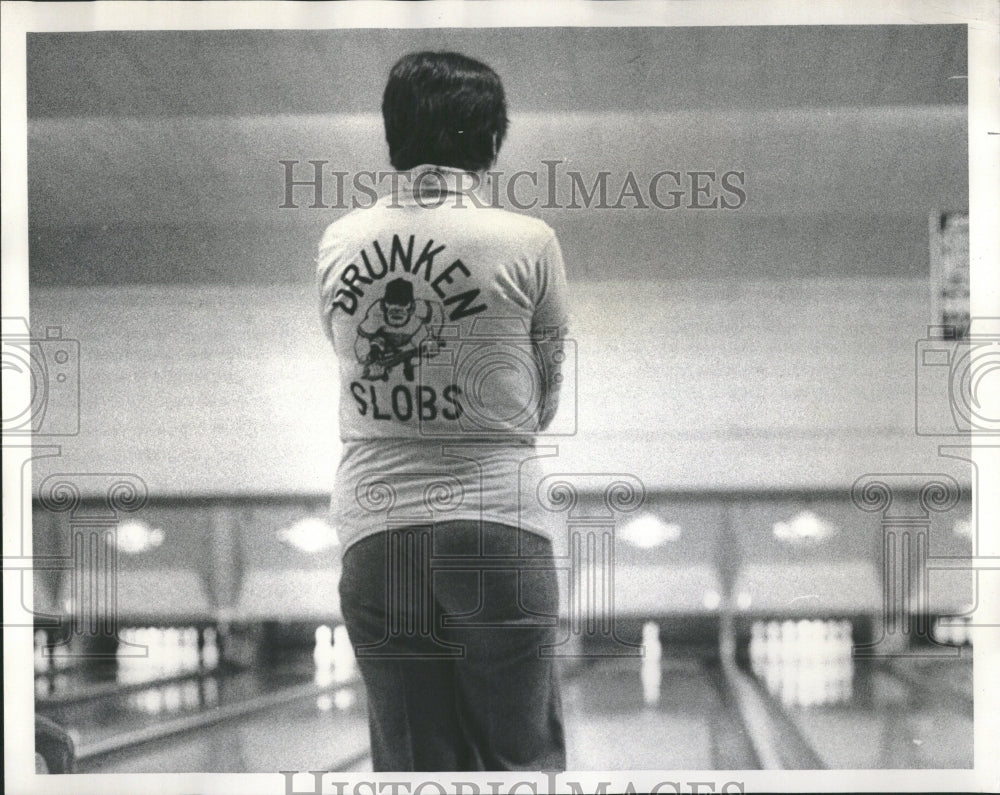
613 721
617 719
620 713
312 732
890 721
100 720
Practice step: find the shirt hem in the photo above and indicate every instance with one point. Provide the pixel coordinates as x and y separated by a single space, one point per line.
528 526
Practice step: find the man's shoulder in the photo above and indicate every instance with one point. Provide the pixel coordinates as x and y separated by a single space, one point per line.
348 225
499 225
518 229
527 225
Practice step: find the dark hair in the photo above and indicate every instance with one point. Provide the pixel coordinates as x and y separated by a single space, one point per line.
445 109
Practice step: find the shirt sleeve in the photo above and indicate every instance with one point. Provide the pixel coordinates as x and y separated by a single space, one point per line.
325 284
549 327
551 305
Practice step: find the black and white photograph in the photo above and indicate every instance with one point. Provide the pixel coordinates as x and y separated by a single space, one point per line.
501 397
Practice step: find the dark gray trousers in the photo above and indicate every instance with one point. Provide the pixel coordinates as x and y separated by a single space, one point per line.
450 625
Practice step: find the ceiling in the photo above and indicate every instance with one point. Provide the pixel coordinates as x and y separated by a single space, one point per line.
154 155
256 72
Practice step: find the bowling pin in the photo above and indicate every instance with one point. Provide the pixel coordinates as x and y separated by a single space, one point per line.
156 700
61 659
344 698
209 691
323 702
324 657
122 659
190 649
174 650
772 656
189 644
171 649
957 631
846 646
192 661
651 672
343 658
160 649
162 657
757 648
789 661
804 673
807 668
178 648
830 662
799 663
323 650
145 637
822 662
172 697
189 694
155 655
139 668
183 654
941 633
813 662
41 661
846 680
209 649
954 633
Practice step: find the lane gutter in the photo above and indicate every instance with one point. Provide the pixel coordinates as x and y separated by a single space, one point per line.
188 723
777 741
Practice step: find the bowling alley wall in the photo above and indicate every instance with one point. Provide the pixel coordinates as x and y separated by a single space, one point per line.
767 347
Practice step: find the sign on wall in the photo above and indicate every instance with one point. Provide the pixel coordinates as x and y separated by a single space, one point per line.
949 245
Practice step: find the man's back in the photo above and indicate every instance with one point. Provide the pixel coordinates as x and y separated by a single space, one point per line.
435 307
472 285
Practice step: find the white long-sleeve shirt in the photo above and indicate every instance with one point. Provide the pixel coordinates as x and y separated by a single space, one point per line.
447 320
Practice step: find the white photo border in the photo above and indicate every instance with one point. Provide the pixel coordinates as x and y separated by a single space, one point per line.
981 17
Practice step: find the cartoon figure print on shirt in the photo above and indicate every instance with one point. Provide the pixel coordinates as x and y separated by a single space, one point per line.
395 329
373 301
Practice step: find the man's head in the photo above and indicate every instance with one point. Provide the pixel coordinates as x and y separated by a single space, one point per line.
444 109
398 304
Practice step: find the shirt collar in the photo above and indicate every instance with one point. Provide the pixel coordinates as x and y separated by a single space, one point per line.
429 181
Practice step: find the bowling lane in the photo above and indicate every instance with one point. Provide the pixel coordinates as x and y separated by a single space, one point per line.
621 714
883 715
110 715
942 679
325 730
104 680
69 672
